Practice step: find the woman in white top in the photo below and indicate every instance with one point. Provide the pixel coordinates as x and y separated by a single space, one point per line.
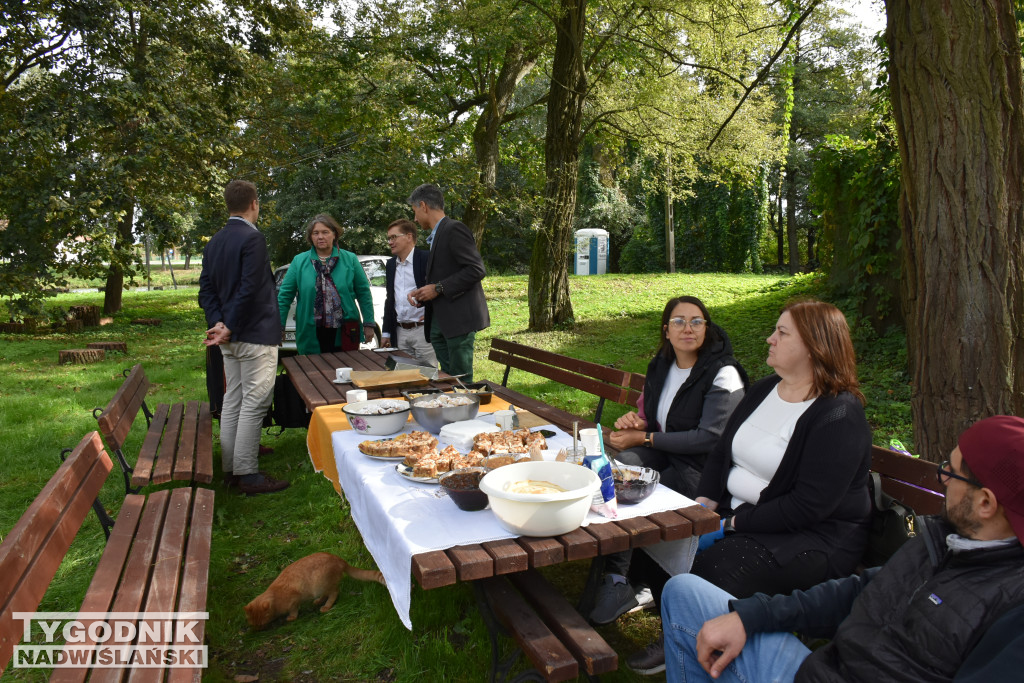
692 386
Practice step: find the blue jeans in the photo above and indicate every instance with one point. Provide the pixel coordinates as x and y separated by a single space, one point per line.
686 603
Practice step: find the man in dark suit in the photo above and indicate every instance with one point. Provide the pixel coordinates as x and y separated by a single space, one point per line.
404 272
236 293
454 297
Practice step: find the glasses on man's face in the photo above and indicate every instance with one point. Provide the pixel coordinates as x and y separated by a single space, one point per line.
697 324
394 238
945 472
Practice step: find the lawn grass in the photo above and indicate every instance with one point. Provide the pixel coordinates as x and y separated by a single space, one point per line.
45 407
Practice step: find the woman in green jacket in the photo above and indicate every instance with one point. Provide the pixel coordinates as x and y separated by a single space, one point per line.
328 282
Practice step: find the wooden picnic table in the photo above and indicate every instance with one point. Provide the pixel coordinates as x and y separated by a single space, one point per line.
313 375
487 564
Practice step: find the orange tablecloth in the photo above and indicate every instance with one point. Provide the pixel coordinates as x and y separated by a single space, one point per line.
328 419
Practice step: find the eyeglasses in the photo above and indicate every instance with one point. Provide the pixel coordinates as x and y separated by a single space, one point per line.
697 324
394 238
945 472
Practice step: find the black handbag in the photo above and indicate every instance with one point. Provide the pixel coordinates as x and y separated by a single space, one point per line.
892 524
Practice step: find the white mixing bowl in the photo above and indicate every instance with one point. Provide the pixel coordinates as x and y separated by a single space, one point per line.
541 514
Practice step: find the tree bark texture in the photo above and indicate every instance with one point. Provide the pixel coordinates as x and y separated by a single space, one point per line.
514 68
549 265
955 79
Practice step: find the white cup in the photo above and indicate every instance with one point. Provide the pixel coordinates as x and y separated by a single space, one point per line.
355 395
503 418
588 437
343 374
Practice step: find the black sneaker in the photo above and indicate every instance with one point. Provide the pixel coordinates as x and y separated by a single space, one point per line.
612 601
650 660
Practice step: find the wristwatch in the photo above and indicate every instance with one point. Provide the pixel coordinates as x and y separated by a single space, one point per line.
439 289
648 441
727 527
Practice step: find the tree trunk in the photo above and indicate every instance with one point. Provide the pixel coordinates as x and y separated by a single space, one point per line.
115 273
549 265
791 228
780 241
955 80
485 137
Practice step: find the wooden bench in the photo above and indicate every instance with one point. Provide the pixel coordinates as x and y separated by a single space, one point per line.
156 559
179 442
557 640
909 480
607 383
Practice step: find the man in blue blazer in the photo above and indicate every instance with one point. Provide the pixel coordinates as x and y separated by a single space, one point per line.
405 271
236 293
453 295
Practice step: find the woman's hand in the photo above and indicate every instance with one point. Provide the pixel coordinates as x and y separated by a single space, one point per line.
707 502
631 420
627 438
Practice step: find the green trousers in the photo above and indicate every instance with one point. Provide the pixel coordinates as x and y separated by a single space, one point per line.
454 354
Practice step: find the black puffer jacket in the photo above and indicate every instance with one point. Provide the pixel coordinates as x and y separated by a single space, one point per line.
915 619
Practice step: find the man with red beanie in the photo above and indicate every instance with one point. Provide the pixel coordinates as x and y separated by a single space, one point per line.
927 615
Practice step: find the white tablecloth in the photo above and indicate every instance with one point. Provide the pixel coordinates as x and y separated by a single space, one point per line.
399 518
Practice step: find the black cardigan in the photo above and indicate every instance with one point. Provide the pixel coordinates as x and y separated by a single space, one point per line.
818 498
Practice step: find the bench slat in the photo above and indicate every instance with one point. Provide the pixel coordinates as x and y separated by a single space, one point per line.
583 367
162 595
611 391
185 457
204 445
168 445
471 562
33 550
196 574
704 521
579 545
674 526
641 531
119 416
508 556
585 644
143 469
433 569
911 470
544 650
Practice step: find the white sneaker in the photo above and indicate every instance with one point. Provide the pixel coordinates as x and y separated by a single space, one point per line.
644 600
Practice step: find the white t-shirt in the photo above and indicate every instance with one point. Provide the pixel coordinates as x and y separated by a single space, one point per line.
728 378
759 444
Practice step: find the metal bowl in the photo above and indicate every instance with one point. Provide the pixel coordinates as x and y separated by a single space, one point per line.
432 419
376 425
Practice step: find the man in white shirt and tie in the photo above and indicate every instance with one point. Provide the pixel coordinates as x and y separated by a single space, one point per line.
405 272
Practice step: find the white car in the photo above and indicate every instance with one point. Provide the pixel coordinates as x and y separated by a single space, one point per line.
374 268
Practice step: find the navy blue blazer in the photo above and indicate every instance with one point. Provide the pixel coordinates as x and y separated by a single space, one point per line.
419 274
456 264
236 285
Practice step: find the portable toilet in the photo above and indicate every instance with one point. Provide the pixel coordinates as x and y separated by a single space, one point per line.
591 252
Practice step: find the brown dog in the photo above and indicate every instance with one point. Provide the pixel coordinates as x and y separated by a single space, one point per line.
314 577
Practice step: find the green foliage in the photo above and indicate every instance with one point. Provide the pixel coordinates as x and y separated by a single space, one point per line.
856 185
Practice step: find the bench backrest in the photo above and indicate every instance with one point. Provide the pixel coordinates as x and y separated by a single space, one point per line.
117 418
33 550
600 380
909 480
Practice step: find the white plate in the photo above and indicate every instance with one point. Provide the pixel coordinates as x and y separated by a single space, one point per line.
390 458
342 381
384 350
405 472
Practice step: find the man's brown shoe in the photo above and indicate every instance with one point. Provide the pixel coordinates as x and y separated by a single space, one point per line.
260 483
